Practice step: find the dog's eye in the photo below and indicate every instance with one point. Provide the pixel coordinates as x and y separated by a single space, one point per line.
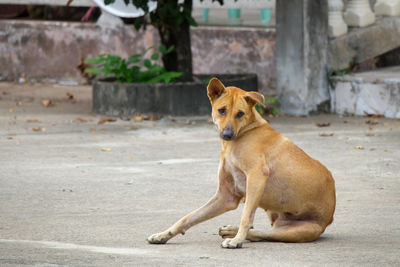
239 114
222 111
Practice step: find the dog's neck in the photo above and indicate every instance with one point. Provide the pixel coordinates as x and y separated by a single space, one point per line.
256 121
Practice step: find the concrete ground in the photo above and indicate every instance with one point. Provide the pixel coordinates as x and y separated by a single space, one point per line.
74 192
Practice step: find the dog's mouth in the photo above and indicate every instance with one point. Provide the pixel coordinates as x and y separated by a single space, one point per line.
227 134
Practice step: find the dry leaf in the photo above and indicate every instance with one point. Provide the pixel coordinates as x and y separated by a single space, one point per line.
38 129
326 134
46 102
106 149
138 118
324 124
12 122
131 158
80 120
11 110
372 115
106 120
359 147
93 131
372 122
12 134
33 121
345 121
69 96
369 134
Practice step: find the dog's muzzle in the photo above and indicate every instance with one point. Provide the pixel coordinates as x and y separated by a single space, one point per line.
227 134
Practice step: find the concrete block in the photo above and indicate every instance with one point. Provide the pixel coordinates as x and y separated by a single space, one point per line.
345 97
374 92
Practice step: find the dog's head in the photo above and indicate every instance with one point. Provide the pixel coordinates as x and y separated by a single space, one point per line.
232 108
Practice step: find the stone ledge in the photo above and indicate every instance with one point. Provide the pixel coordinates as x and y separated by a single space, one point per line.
373 92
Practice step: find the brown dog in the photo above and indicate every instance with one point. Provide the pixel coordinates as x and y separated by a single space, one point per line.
267 170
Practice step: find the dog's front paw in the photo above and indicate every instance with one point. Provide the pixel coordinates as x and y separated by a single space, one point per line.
159 238
228 231
231 243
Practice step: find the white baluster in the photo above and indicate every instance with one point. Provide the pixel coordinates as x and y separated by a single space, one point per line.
387 7
358 13
337 26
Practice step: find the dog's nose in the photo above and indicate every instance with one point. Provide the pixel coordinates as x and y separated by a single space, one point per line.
227 134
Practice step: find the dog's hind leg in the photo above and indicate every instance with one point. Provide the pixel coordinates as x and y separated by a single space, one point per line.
293 232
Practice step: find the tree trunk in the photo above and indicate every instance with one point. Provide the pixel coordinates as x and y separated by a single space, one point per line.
179 36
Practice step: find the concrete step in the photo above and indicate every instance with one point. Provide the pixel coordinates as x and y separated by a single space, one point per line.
372 92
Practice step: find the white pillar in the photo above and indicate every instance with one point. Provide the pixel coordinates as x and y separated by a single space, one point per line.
358 13
337 26
387 7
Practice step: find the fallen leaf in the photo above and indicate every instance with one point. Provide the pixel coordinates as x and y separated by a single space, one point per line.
131 158
345 121
33 121
326 134
106 120
12 134
46 102
11 110
106 149
18 103
359 147
369 134
93 131
4 93
372 122
12 122
155 117
69 96
324 124
80 120
372 115
138 118
38 129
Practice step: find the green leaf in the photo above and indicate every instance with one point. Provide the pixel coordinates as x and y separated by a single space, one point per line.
166 77
94 71
170 49
191 21
147 63
271 100
133 59
155 56
107 2
162 49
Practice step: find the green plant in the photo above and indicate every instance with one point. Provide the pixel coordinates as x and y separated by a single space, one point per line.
136 68
172 19
270 107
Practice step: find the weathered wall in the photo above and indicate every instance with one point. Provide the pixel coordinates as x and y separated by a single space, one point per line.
236 50
52 50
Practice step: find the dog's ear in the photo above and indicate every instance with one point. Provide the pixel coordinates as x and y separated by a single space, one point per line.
253 98
215 89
